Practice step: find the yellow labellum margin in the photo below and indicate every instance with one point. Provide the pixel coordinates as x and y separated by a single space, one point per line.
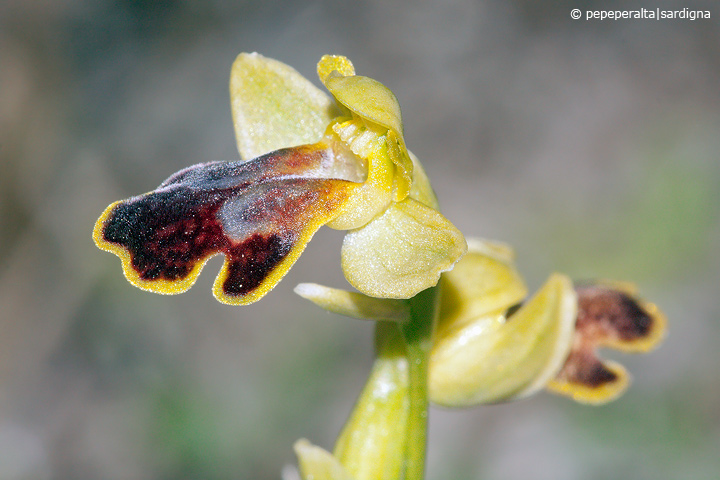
161 285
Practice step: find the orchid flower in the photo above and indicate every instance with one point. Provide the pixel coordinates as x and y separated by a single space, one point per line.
308 160
490 347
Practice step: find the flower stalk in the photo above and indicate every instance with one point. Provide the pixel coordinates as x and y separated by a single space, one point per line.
418 333
386 434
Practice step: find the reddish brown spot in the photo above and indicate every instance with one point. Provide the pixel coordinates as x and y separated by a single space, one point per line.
303 156
166 233
585 368
252 261
607 313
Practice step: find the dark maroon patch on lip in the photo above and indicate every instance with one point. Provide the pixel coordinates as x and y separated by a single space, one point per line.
167 232
584 368
252 260
612 313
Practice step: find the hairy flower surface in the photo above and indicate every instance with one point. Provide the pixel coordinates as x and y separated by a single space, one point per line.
308 160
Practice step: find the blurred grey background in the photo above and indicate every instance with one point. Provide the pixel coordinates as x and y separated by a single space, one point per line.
592 147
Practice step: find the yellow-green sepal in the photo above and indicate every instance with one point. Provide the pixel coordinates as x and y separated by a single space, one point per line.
496 358
402 252
274 107
354 304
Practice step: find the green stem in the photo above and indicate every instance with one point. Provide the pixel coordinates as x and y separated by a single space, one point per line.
418 337
386 434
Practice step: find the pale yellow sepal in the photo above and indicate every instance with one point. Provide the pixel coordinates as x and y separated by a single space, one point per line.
598 395
274 107
484 281
421 190
495 359
371 444
317 463
353 304
402 252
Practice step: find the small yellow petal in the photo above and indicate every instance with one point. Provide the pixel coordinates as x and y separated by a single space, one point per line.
485 280
274 107
317 463
353 304
495 358
402 252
